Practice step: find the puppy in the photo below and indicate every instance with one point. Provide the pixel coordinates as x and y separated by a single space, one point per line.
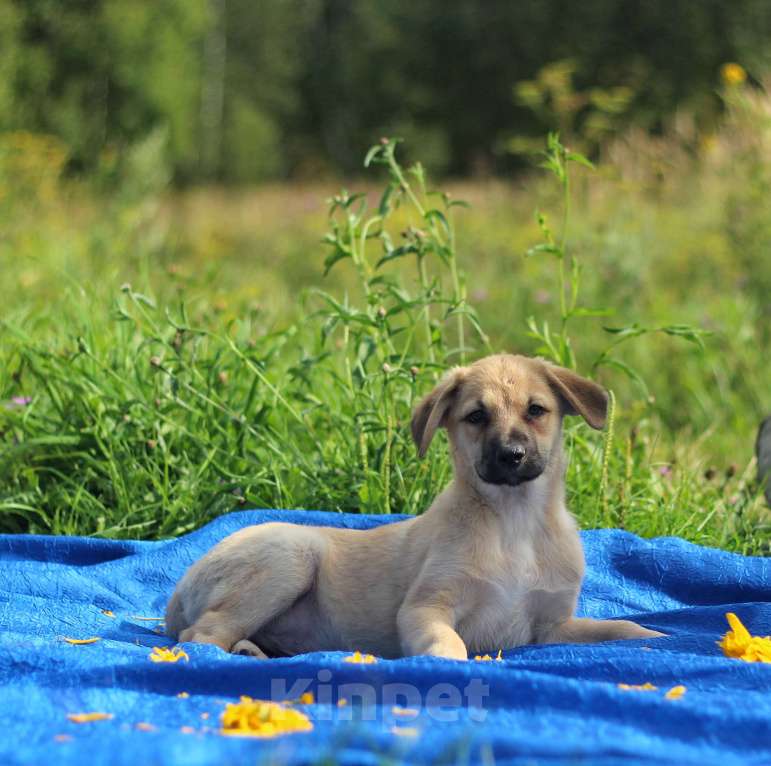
496 561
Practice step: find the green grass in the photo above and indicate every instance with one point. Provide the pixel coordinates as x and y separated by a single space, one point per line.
181 361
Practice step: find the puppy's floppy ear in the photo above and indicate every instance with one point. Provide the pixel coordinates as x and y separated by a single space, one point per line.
581 396
430 414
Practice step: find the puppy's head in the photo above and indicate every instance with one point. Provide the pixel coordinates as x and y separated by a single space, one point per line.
504 415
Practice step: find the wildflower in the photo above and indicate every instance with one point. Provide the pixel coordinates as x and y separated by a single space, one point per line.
675 693
733 74
307 698
88 717
738 642
646 687
342 702
259 718
79 641
108 613
164 654
183 695
359 658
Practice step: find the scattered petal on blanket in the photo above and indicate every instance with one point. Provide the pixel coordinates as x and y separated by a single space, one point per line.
646 687
362 659
738 642
164 654
259 718
405 731
80 641
89 717
675 693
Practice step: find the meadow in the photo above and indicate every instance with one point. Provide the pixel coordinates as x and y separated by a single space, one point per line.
167 356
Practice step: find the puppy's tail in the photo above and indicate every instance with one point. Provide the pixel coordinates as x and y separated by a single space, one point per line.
175 616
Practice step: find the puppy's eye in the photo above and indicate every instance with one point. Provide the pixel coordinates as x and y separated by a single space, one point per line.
535 411
477 417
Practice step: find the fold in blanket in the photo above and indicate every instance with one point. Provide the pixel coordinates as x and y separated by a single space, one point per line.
609 703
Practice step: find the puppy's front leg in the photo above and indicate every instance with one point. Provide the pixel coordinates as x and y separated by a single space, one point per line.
583 630
428 630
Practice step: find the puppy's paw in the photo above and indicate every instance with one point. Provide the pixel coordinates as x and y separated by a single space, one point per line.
447 650
629 629
248 649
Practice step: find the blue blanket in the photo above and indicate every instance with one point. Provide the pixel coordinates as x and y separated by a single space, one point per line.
539 704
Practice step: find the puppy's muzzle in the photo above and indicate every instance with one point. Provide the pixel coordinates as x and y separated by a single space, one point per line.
509 463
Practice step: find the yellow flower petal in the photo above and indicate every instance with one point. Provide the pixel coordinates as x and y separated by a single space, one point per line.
307 698
80 641
164 654
183 695
483 658
405 731
108 613
646 687
675 693
359 658
260 718
88 717
740 644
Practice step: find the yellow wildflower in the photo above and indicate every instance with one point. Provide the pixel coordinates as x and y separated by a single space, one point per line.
88 717
363 659
646 687
80 641
738 642
183 695
733 74
342 702
164 654
307 698
675 693
259 718
108 613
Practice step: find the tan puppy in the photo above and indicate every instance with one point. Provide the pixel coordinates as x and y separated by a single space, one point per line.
496 561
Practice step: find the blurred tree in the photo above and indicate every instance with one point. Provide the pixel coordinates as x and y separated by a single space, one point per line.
251 89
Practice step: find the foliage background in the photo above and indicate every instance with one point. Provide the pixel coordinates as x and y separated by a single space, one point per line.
253 90
173 343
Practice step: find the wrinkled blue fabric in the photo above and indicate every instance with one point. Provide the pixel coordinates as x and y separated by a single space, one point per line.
540 704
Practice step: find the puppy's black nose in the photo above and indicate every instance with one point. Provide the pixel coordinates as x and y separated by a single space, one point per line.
511 456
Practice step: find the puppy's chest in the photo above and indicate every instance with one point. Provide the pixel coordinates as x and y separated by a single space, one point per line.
507 603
